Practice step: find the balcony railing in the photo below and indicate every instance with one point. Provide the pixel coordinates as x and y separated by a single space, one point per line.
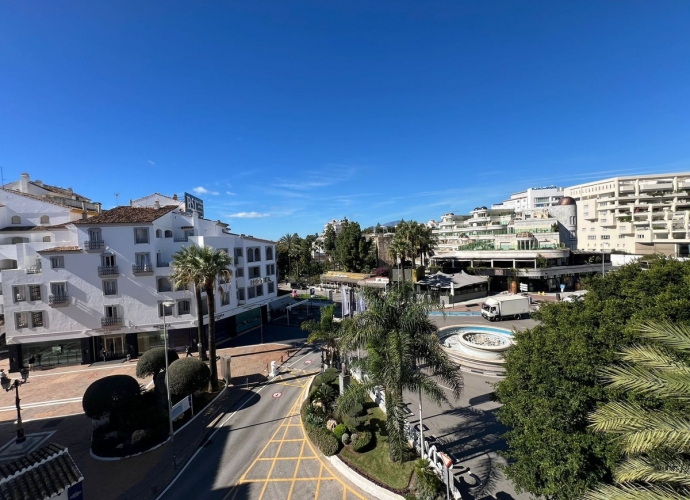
180 239
108 270
58 300
33 270
93 245
142 268
111 321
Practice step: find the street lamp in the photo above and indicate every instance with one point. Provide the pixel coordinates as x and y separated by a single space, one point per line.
9 385
168 303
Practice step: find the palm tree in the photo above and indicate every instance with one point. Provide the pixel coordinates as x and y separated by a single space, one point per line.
288 244
654 430
205 265
325 330
401 247
398 337
184 275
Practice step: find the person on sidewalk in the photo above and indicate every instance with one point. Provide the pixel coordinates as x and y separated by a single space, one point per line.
3 375
104 353
187 351
32 361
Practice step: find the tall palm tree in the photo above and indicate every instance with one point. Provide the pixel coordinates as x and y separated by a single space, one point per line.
654 430
398 336
185 275
401 247
206 264
325 330
288 244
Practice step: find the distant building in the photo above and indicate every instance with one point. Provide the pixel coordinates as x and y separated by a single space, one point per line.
537 197
639 214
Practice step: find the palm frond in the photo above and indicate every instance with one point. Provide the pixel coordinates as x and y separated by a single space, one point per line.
673 335
642 380
643 469
634 492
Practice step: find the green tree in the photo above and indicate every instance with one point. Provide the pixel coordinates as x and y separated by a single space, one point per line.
654 429
353 250
185 275
152 364
188 375
288 245
329 238
401 246
551 383
203 267
109 395
326 331
398 336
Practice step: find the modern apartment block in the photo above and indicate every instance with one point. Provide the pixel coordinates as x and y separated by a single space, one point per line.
74 285
537 197
639 214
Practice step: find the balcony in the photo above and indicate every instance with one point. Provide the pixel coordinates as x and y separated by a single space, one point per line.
111 321
33 270
181 239
108 270
58 300
162 263
142 269
94 245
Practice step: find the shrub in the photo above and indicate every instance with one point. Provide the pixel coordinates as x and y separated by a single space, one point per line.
428 483
323 439
153 361
327 377
188 375
362 441
110 394
339 430
345 438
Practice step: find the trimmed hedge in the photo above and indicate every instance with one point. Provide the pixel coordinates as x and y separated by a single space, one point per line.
339 430
362 442
324 439
188 375
110 394
328 377
153 361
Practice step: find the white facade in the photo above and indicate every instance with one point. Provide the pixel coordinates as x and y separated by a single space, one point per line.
537 197
635 214
98 284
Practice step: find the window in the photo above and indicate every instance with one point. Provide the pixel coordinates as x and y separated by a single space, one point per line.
257 255
183 307
238 253
592 237
16 219
111 314
46 239
605 236
21 320
58 289
109 287
57 262
45 219
159 233
240 294
250 255
143 259
37 319
141 235
19 293
640 236
271 288
239 273
168 233
269 253
164 285
270 269
34 292
224 297
251 292
16 240
259 290
254 272
223 279
107 260
165 309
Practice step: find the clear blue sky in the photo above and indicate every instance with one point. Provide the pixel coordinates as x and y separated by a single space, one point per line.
288 114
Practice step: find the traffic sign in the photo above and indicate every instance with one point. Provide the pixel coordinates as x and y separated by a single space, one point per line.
308 362
277 394
523 287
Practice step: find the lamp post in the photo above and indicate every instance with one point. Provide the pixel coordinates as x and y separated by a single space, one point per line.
165 304
9 385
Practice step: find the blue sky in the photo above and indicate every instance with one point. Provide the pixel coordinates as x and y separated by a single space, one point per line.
284 114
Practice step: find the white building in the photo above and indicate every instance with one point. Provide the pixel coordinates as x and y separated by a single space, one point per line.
640 214
537 197
99 282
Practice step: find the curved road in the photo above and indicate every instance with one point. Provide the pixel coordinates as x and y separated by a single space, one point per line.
259 450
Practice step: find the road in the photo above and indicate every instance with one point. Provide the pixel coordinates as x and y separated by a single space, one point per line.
259 450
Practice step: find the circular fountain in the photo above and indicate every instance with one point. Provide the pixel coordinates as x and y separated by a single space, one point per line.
477 343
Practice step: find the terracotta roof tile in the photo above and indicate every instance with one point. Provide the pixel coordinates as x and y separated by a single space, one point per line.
40 198
128 215
33 228
61 249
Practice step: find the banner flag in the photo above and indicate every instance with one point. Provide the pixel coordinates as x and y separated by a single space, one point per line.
346 300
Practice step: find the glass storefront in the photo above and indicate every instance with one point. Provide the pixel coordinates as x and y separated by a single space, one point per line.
59 352
148 340
248 320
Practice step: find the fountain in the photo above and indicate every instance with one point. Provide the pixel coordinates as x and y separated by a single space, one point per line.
477 343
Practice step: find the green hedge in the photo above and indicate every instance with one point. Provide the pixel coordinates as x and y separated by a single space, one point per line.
324 439
339 430
363 440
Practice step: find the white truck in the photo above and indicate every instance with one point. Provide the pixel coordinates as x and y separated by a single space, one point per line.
505 306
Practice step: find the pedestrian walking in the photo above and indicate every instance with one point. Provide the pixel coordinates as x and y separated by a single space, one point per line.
32 361
187 351
104 353
3 375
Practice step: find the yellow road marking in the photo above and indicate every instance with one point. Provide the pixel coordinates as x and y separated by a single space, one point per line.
280 446
294 476
318 482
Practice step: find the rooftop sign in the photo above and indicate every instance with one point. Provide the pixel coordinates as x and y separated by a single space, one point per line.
193 204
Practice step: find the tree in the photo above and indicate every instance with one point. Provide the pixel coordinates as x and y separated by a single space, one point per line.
329 238
401 247
325 330
552 385
185 275
110 395
152 364
287 245
353 250
654 429
398 336
188 375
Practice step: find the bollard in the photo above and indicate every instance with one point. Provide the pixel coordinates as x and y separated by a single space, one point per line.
273 369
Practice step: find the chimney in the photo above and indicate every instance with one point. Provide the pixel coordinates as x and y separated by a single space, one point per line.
175 197
156 204
38 182
24 183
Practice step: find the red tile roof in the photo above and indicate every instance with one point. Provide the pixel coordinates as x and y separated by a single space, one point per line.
61 249
33 228
46 199
128 215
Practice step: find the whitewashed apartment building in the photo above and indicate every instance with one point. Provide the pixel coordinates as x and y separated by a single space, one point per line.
536 197
100 281
639 214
